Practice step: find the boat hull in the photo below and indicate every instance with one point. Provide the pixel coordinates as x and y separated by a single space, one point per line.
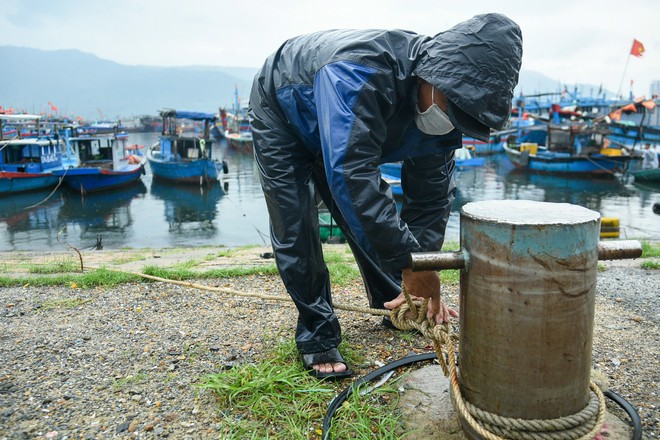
652 175
196 172
568 164
240 143
11 183
87 180
481 148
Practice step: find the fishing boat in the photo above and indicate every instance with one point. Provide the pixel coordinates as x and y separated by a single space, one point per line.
648 175
238 130
391 172
241 140
568 149
498 138
105 160
28 163
186 156
635 123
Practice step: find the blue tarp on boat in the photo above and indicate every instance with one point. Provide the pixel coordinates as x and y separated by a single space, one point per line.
183 114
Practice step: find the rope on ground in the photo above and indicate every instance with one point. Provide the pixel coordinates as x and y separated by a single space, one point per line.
234 292
411 315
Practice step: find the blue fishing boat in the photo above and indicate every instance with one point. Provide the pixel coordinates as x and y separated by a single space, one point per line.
105 159
635 123
631 135
568 149
391 172
28 164
186 156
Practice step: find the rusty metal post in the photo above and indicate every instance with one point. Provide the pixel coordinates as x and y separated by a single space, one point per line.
528 282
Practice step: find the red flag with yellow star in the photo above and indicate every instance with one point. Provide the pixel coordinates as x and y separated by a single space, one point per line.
637 48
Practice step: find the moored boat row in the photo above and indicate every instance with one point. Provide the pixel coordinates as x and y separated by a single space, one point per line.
89 159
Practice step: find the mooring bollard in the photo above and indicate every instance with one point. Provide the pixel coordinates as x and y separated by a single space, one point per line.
527 293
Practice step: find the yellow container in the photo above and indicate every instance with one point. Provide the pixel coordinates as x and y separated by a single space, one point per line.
611 151
609 227
529 146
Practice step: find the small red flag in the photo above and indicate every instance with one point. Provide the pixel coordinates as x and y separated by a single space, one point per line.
637 48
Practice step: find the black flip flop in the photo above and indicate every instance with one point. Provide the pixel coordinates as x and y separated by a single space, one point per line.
325 357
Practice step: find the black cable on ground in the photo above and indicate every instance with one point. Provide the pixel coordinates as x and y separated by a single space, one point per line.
630 410
344 395
341 397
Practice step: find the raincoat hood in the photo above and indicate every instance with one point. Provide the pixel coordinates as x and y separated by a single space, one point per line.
476 65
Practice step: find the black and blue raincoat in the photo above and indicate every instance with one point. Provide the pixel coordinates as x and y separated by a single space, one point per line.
328 108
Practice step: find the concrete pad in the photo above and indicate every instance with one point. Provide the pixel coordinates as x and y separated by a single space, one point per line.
428 413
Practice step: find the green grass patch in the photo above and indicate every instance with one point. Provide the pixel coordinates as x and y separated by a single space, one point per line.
450 246
96 278
601 267
450 276
650 249
650 264
54 267
181 274
341 265
186 264
277 399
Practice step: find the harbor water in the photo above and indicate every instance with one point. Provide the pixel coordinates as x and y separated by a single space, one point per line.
158 215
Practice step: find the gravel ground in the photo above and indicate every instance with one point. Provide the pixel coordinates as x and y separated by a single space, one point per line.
122 362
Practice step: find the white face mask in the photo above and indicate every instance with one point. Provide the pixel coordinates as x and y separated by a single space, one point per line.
433 121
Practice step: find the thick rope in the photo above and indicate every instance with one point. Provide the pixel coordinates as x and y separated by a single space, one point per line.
411 315
234 292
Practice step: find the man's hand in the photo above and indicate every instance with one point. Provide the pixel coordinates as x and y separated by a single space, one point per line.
424 285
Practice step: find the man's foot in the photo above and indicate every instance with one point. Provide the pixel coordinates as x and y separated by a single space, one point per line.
327 364
335 367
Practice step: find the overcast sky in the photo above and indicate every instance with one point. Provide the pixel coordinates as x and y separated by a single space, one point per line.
571 41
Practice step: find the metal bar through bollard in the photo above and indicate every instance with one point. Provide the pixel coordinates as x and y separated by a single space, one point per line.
607 250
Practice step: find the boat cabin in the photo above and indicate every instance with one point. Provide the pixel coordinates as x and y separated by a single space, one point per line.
98 148
192 142
32 154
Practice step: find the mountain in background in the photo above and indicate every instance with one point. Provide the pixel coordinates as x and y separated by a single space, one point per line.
81 84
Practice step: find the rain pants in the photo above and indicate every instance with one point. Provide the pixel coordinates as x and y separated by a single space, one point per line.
327 108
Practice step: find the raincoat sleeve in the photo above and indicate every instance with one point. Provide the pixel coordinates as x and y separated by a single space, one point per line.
353 102
428 192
